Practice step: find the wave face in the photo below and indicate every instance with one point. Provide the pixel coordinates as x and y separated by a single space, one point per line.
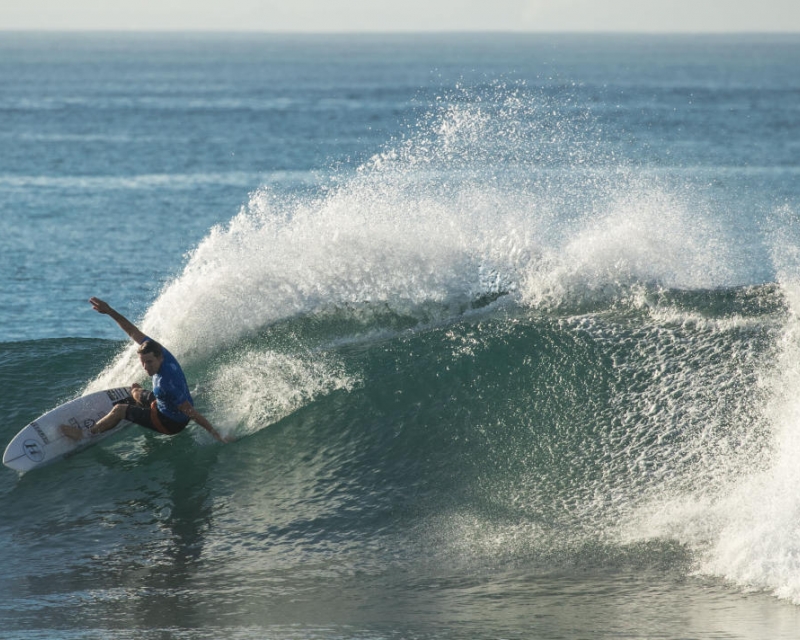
553 355
494 344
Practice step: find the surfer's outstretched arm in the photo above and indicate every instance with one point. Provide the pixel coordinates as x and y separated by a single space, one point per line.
200 419
126 325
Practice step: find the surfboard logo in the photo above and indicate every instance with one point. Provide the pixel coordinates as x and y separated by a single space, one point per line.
33 450
120 393
41 433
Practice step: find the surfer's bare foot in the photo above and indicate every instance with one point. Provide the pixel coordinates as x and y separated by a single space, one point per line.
72 432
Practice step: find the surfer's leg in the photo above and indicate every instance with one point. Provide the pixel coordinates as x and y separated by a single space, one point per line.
108 421
142 397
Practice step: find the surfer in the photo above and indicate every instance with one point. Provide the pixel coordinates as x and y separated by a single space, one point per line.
168 408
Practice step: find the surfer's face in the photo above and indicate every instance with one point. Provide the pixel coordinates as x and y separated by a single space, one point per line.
151 363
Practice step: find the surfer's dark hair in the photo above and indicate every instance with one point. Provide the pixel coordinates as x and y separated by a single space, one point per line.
150 346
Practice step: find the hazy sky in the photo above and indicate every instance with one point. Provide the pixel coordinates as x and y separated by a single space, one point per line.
404 15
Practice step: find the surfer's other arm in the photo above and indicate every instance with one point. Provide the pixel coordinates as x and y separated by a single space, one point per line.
193 414
126 325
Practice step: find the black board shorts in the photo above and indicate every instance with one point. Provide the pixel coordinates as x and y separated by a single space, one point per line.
141 414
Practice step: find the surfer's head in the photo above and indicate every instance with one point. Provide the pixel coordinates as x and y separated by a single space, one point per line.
151 355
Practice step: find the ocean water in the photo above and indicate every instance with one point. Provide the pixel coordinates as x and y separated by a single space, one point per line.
507 329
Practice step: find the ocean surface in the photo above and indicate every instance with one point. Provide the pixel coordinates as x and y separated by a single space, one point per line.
507 328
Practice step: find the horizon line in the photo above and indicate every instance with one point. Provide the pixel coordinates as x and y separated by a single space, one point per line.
390 32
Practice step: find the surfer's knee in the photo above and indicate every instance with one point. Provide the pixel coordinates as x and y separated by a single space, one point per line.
118 411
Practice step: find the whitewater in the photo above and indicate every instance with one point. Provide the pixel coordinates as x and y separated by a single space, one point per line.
503 375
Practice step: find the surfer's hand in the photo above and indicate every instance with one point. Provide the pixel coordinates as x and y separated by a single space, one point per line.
101 306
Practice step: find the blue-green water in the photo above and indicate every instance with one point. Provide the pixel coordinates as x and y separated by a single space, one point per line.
506 327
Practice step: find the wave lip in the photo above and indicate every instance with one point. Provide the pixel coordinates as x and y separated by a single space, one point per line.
504 194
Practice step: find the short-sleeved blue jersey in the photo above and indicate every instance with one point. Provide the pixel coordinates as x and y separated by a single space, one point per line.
171 389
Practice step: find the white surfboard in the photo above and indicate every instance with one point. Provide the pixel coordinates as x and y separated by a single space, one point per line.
41 442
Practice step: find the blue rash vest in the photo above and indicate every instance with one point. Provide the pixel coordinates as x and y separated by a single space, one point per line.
171 389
